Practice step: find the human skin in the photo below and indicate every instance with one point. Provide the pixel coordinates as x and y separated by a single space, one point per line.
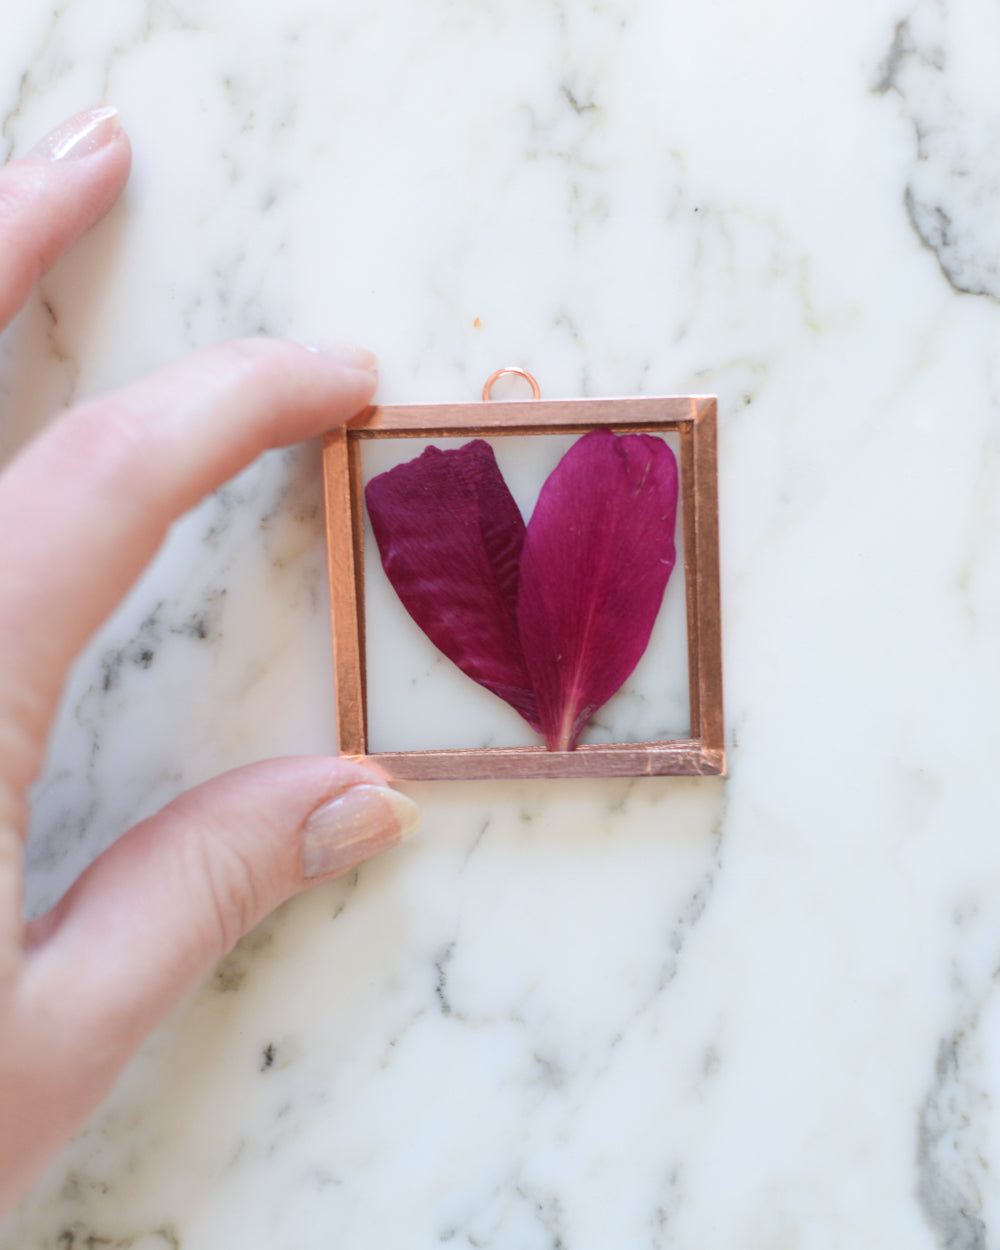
82 510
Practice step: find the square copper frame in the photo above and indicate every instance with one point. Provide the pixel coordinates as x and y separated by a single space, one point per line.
694 419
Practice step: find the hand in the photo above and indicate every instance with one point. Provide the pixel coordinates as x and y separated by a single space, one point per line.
82 510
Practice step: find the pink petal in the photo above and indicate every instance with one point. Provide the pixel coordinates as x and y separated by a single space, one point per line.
450 537
597 554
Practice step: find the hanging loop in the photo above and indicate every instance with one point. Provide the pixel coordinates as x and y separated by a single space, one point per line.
521 373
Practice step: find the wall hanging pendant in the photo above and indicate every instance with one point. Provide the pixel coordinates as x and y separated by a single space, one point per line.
551 616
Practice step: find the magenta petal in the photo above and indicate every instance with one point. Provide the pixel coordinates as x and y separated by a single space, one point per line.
597 554
450 537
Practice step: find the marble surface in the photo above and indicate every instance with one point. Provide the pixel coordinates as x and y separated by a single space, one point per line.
752 1014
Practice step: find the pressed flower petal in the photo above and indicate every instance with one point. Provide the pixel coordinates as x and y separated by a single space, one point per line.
450 537
597 554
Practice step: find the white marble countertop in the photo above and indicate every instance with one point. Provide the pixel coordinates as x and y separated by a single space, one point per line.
751 1014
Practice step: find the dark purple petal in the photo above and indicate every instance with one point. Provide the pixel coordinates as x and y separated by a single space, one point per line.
450 537
597 554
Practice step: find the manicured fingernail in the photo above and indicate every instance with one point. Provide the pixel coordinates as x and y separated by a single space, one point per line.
357 824
81 135
349 354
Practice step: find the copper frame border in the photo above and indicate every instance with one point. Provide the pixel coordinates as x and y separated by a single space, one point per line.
694 419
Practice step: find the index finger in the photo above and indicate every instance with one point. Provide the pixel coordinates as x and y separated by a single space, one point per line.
83 509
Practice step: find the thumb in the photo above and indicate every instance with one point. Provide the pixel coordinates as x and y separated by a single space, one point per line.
152 915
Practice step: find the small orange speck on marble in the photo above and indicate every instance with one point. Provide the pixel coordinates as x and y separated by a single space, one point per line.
478 324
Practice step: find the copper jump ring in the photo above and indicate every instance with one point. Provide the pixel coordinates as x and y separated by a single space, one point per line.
521 373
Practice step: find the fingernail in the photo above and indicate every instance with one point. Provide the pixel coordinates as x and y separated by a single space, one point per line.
81 135
357 824
349 354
